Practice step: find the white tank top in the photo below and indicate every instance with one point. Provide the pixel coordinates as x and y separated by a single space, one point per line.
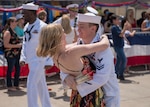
70 37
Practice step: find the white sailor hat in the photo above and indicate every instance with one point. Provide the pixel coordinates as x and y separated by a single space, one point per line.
91 18
72 6
92 10
30 6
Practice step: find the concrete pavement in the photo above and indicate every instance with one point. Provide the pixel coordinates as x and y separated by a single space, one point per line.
134 91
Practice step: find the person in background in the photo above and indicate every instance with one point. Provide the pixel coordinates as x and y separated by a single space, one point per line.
20 25
145 27
36 81
73 12
129 31
12 47
118 43
143 17
146 23
1 39
107 24
105 77
70 32
42 15
105 16
1 28
130 18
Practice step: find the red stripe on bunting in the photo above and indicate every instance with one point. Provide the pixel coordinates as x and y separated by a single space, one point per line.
84 3
24 71
114 4
138 60
10 9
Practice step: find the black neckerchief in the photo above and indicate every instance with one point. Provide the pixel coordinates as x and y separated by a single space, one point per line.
29 33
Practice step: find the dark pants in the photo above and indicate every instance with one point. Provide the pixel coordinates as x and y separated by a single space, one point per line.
13 62
120 61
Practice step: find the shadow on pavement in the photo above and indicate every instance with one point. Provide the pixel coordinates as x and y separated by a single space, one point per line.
15 93
65 98
127 81
137 73
134 71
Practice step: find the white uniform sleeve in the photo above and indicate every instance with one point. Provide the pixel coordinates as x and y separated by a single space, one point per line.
58 21
104 62
63 76
49 61
23 54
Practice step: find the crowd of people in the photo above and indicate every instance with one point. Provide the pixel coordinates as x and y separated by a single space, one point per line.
66 42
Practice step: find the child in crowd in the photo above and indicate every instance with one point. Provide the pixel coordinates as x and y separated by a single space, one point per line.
129 31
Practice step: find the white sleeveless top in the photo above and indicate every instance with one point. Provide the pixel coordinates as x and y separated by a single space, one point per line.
70 37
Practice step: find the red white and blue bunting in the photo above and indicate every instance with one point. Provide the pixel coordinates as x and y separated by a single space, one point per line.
10 9
83 4
114 4
143 4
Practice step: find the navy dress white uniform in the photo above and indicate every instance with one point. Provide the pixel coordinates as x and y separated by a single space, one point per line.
36 82
105 76
74 9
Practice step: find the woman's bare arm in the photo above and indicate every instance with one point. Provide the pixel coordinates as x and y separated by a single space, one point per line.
6 39
85 49
132 33
143 27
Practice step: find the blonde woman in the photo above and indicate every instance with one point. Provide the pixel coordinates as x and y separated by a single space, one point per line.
67 58
130 17
70 32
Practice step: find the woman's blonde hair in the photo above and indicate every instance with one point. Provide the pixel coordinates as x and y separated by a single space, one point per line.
49 40
129 12
65 22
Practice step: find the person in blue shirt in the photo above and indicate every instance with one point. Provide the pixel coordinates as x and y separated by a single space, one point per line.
118 43
20 25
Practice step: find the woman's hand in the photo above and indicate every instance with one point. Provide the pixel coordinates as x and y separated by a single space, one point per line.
126 24
70 81
19 45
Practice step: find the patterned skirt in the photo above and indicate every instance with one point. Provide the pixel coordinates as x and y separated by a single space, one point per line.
93 99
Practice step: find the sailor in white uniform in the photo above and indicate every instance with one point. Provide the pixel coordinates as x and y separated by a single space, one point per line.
73 12
105 76
36 82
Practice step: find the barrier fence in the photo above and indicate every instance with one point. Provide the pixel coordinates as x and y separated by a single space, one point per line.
137 53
